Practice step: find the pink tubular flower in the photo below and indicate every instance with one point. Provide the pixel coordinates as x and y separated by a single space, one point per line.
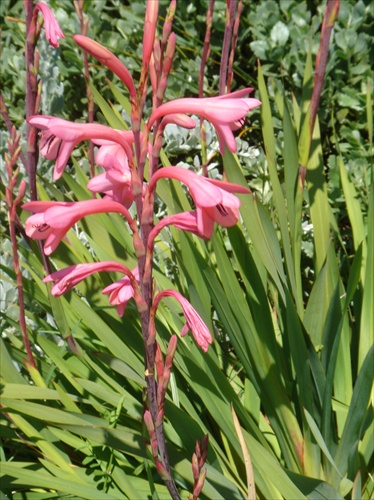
52 220
67 278
194 322
185 221
115 182
225 112
213 199
105 56
59 138
121 292
178 119
52 29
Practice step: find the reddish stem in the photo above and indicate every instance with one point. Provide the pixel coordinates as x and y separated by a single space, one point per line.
230 16
4 113
235 32
330 16
31 96
12 202
204 58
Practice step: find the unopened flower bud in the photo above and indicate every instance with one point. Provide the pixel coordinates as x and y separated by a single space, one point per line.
171 351
21 192
160 418
168 21
165 476
200 483
195 467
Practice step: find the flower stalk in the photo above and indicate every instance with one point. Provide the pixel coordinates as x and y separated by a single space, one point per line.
13 201
123 156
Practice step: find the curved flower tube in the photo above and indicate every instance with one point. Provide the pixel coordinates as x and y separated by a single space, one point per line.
67 278
194 322
213 199
225 112
52 220
52 29
59 138
115 182
185 221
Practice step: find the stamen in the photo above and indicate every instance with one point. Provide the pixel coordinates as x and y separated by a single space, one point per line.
222 210
48 142
41 227
59 147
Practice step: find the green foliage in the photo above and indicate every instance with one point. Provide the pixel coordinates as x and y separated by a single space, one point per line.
288 292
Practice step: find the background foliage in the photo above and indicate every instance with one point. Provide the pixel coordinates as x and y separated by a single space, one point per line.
288 293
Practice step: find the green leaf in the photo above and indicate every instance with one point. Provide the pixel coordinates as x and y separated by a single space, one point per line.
367 312
27 476
8 370
356 414
113 118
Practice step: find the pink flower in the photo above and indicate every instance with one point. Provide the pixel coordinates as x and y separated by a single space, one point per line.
111 154
121 292
70 276
194 322
52 28
225 112
59 138
104 56
52 220
213 199
115 182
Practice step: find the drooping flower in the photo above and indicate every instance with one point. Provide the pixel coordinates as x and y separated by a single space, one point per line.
59 138
115 182
52 220
213 199
121 292
52 29
185 221
225 112
67 278
106 57
194 322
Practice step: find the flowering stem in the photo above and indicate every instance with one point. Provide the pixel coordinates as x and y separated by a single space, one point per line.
230 72
204 58
4 113
12 203
145 276
230 16
330 16
31 97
